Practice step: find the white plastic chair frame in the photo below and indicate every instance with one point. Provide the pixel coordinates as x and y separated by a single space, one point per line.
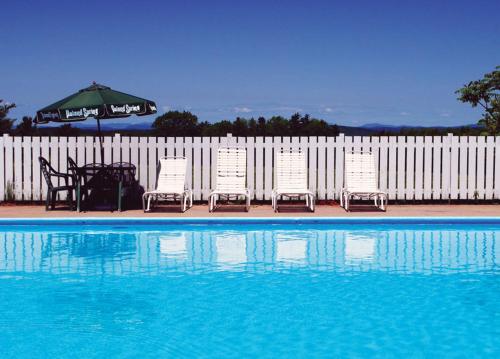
291 178
170 184
360 180
231 177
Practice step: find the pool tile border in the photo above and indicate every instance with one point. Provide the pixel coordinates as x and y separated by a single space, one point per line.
246 220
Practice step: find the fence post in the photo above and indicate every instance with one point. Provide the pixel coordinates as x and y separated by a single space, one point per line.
2 167
447 161
339 164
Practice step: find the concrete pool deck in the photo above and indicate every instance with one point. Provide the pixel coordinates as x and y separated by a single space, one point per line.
265 210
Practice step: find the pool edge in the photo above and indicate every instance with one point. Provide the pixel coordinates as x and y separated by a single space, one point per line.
247 220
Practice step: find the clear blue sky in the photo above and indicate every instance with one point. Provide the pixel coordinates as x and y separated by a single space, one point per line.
349 62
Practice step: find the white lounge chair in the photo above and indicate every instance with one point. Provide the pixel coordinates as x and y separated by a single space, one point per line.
291 178
360 180
170 184
231 177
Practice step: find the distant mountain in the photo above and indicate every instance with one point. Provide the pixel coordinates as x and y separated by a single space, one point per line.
363 130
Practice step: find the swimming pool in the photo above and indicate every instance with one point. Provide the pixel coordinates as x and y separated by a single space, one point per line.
250 288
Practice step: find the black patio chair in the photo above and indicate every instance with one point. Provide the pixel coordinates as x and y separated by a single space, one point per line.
69 184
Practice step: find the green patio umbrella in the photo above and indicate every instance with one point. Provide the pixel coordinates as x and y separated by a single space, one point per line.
99 102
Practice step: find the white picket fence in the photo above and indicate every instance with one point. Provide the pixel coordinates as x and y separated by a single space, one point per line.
410 168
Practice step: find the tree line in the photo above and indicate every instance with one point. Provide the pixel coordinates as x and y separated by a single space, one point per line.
175 123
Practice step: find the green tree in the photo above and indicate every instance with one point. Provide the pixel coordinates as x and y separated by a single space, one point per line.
277 126
261 126
295 124
5 122
240 127
176 123
486 94
66 130
25 128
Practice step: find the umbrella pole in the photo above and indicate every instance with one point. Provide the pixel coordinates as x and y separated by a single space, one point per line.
100 140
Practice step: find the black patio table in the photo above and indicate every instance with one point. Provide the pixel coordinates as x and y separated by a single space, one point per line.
104 178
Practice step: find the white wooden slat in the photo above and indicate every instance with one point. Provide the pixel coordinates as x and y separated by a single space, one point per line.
224 142
383 165
153 159
490 150
321 167
330 168
436 168
471 178
170 147
357 144
142 162
35 153
372 145
259 167
27 191
313 171
162 147
480 167
497 168
463 153
295 143
206 169
63 161
347 147
197 167
116 146
428 167
367 145
410 168
80 151
419 168
72 150
134 152
107 146
445 164
9 167
250 145
54 159
454 167
2 168
393 145
89 150
214 146
188 153
268 169
401 168
126 152
44 147
18 167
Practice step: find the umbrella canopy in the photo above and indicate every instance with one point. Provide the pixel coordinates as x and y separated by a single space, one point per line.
97 101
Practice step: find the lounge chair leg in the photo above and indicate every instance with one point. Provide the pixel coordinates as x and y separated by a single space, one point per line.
150 199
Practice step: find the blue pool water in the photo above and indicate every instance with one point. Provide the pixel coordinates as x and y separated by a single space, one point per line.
250 290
